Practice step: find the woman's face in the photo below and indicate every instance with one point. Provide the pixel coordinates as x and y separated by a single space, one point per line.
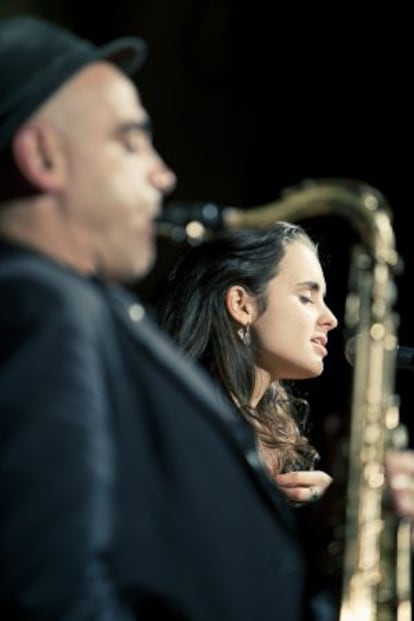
290 337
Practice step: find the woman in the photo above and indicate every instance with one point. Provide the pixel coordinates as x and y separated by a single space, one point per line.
249 306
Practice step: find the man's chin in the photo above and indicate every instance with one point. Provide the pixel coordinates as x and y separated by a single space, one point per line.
130 273
143 267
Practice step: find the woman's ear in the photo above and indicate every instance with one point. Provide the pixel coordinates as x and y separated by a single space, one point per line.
38 157
240 305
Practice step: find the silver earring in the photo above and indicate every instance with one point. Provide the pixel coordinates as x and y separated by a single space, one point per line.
244 334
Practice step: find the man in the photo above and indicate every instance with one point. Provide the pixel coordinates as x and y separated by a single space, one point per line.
127 489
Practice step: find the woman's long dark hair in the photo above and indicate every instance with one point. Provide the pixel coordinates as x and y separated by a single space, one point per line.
193 311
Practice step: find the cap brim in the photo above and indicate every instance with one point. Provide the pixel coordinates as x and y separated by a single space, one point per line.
128 53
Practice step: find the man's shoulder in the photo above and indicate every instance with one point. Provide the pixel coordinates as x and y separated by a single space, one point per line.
19 264
31 284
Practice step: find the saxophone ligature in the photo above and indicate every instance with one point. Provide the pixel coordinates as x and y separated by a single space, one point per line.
376 570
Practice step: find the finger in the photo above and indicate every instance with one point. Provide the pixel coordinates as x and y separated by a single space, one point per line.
302 495
304 478
314 494
400 461
402 481
404 504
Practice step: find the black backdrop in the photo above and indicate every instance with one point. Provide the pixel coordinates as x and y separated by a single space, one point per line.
248 98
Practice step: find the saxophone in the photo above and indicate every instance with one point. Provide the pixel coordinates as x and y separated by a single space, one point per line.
376 579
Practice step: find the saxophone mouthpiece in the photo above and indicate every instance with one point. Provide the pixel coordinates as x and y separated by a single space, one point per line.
192 221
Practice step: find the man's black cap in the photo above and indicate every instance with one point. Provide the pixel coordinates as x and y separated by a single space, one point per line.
37 57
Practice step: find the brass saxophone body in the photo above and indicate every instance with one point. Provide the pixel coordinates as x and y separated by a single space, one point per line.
377 549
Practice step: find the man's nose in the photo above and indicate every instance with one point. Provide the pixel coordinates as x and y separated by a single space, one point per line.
163 177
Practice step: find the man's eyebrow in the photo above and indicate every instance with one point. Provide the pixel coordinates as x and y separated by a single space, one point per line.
130 126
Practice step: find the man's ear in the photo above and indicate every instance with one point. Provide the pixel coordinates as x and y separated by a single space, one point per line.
38 157
240 305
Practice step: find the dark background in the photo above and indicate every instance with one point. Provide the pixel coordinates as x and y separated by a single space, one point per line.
248 98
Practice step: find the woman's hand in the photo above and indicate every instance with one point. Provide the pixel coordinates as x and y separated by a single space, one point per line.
303 486
300 486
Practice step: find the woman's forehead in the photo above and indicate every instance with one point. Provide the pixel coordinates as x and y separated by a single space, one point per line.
300 263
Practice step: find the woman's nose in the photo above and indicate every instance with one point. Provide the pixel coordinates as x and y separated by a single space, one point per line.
329 319
332 321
